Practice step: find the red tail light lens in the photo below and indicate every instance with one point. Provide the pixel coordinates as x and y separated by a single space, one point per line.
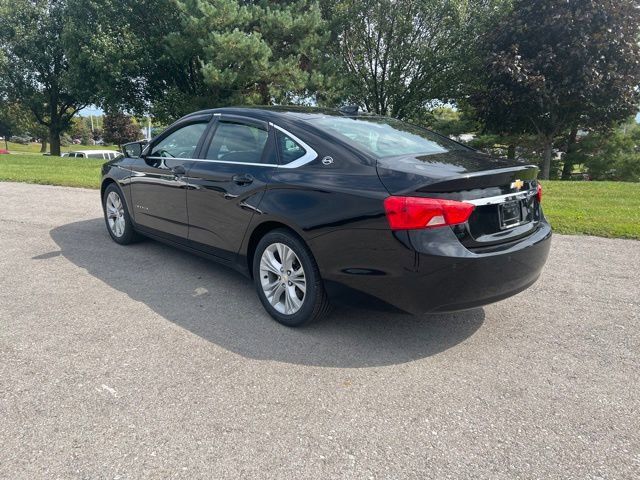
539 193
410 213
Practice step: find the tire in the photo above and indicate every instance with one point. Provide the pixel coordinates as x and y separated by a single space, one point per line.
120 226
276 288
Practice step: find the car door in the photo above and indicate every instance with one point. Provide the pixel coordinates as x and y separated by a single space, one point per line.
158 186
228 182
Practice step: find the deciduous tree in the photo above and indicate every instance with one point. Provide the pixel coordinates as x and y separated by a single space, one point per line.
36 70
555 66
398 56
119 129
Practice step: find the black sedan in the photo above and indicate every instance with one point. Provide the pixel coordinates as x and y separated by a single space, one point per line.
308 202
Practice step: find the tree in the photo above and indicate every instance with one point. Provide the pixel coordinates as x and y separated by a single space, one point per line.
223 52
81 130
15 119
36 68
7 122
552 67
611 155
400 55
119 129
119 46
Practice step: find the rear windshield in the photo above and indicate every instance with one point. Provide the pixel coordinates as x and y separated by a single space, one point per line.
386 137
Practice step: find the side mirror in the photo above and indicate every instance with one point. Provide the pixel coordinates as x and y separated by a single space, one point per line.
133 149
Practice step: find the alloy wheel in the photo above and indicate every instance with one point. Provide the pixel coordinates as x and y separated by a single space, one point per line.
115 214
282 278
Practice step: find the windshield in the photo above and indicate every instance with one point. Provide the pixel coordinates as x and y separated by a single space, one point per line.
386 137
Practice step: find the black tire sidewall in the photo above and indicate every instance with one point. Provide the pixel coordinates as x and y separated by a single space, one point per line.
129 232
314 291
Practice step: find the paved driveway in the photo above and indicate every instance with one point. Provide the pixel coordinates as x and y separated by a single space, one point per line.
146 362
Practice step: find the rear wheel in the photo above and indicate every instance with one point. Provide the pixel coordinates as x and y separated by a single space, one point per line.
116 216
288 280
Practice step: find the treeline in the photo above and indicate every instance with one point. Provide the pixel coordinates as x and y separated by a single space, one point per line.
535 75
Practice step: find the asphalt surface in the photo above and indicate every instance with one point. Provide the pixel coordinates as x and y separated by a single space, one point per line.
147 362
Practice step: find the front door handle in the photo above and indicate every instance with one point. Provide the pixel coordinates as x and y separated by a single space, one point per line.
242 179
178 170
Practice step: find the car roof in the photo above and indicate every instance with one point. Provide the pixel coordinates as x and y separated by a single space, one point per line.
271 113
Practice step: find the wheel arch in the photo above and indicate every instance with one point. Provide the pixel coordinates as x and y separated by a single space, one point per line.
260 231
123 187
105 184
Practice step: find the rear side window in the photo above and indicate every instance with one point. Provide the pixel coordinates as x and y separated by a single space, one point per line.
95 155
386 137
237 142
290 150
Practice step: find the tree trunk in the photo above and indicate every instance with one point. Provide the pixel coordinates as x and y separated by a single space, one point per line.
546 159
567 166
54 139
264 93
511 152
6 145
43 147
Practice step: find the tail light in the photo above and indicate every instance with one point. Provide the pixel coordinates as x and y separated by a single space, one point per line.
539 193
410 213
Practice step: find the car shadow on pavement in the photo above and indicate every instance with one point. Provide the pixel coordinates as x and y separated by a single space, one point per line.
220 305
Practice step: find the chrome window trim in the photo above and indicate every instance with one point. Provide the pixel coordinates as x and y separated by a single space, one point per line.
501 198
206 160
309 156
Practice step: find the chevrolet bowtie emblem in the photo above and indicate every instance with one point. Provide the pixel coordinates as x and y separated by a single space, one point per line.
517 184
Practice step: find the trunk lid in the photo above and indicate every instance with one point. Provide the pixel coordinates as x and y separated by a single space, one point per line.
503 192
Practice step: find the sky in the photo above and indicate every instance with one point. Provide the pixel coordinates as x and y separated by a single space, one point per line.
92 110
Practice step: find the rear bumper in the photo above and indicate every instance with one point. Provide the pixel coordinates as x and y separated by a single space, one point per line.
431 271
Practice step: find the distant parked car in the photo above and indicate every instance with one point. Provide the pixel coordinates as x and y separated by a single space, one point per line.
4 152
99 154
24 140
581 176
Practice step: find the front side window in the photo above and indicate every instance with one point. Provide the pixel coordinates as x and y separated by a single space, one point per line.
237 142
386 137
290 150
181 143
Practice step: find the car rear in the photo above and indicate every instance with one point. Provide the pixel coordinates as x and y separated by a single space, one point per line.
463 229
489 239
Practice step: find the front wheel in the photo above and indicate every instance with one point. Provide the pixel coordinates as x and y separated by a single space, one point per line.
288 280
116 216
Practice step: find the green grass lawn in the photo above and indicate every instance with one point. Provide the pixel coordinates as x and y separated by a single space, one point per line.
606 209
34 148
72 172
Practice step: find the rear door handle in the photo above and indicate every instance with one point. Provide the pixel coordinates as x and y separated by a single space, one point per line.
242 179
179 170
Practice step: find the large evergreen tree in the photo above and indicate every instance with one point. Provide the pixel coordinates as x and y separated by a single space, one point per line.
223 52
